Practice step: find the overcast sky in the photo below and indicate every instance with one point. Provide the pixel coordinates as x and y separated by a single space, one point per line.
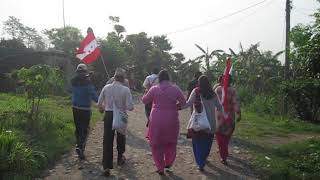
263 23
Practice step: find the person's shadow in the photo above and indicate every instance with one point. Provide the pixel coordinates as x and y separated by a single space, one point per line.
223 174
93 171
170 176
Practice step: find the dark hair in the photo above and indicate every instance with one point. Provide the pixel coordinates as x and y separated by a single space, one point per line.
155 70
230 79
197 74
220 78
205 87
119 78
163 76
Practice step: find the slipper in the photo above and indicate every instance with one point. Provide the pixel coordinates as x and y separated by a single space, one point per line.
224 162
161 173
167 168
106 172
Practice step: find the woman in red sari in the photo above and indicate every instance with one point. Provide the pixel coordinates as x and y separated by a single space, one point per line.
225 126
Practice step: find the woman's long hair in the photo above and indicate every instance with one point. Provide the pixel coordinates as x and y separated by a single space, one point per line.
164 76
205 87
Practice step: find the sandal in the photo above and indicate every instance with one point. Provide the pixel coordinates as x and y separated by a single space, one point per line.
167 168
223 161
161 173
106 172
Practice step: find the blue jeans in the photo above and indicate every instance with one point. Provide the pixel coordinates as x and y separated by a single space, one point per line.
201 149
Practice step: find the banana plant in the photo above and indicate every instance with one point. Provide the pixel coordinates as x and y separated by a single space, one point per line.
207 56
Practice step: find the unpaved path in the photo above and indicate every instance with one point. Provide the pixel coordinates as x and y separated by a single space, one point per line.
139 164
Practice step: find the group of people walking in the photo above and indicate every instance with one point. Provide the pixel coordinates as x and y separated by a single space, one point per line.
163 100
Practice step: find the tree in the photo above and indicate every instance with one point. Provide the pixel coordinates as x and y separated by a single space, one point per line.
207 56
65 39
14 28
117 27
304 86
162 43
11 46
255 70
137 46
33 39
27 35
38 82
115 56
183 71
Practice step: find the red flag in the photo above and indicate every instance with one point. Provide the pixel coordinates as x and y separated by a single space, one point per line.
226 85
88 50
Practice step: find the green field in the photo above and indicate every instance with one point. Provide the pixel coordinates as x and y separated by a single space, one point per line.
282 148
25 153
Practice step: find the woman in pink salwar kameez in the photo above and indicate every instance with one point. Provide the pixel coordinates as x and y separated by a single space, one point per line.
225 126
163 127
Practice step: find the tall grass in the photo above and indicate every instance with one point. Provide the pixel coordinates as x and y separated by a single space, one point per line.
17 158
281 147
299 160
25 154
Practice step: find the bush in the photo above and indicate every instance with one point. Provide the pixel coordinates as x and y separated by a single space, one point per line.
304 93
39 81
16 157
245 96
265 105
24 154
260 103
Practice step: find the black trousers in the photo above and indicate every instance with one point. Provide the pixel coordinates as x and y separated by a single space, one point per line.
81 120
147 108
108 137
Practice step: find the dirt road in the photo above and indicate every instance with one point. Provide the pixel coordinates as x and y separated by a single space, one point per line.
139 164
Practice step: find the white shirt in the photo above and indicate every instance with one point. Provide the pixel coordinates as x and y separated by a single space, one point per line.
116 93
150 80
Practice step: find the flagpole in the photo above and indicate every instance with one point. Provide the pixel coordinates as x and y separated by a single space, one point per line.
104 65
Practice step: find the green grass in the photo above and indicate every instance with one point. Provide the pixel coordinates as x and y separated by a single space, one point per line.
53 136
277 152
257 126
299 160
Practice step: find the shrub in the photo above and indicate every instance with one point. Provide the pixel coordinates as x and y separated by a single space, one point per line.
245 96
39 81
16 157
264 105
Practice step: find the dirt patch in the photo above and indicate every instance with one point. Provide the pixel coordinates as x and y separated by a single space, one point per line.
139 163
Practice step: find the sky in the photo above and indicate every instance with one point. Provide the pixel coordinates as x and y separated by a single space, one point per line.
264 23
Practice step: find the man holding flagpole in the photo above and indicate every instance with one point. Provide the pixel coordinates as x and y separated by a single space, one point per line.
231 105
83 91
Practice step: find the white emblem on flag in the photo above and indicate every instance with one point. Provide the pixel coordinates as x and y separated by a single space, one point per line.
88 49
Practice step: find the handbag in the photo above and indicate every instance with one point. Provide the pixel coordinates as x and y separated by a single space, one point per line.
120 120
198 123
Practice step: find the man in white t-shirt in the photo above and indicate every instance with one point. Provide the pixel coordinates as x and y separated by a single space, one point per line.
150 81
119 95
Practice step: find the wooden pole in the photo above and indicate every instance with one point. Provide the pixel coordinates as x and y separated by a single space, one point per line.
64 21
287 51
104 65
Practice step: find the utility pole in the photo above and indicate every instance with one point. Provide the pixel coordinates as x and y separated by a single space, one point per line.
287 50
64 22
